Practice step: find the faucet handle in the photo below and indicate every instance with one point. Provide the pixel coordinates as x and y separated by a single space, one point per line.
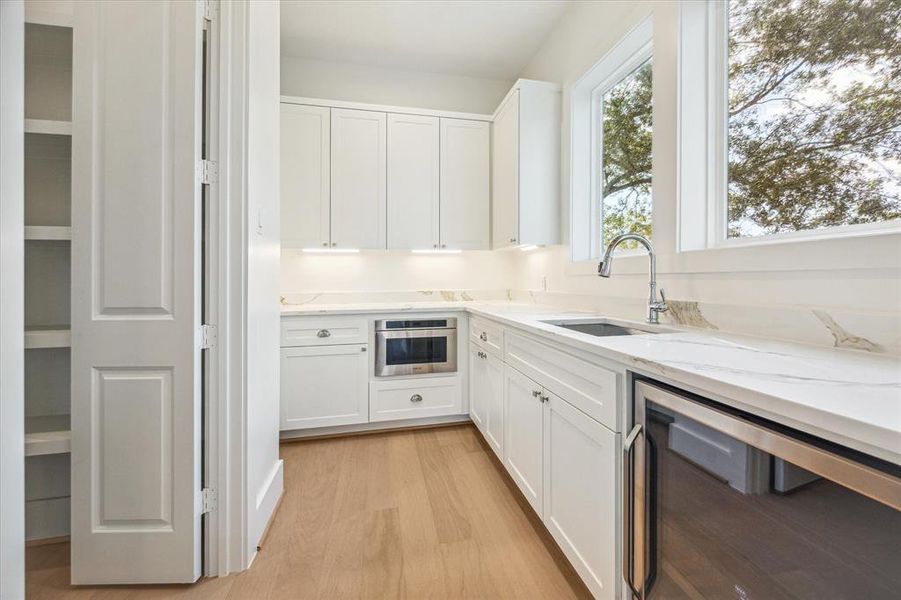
661 305
662 296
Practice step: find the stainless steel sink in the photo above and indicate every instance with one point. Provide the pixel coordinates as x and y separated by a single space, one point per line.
602 327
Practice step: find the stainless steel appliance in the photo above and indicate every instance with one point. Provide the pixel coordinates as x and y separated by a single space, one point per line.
415 346
718 503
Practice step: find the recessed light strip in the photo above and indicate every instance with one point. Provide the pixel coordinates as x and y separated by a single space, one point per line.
430 251
331 250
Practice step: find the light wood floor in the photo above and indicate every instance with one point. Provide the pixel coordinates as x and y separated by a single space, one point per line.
415 514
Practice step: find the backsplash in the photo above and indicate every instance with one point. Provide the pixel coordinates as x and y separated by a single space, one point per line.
841 329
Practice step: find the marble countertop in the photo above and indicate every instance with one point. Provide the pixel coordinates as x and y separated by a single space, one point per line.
849 397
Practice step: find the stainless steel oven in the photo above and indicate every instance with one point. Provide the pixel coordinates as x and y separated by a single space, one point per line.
415 346
718 503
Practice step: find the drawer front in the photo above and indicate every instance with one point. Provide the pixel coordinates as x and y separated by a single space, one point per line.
488 335
324 331
413 399
588 387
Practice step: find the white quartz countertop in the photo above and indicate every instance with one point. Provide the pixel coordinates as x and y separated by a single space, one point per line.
850 397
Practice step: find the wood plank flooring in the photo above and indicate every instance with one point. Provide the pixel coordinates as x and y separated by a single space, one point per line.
427 513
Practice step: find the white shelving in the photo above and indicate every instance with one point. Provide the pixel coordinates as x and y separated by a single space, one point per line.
47 435
47 337
48 233
48 126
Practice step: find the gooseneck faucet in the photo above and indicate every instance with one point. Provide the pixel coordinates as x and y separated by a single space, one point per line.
655 307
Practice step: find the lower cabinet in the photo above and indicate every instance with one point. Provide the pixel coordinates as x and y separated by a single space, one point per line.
564 463
524 410
486 396
392 400
580 493
324 385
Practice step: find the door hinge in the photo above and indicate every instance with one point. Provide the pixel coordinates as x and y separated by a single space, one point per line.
208 501
208 171
209 10
209 335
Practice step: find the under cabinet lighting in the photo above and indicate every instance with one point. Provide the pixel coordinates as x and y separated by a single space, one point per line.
331 250
431 251
528 247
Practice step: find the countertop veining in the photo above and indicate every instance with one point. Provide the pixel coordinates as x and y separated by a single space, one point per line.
849 397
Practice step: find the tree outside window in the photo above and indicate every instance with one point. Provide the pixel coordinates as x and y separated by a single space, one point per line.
814 122
626 157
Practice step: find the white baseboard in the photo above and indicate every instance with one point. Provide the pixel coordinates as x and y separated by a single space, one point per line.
297 434
266 501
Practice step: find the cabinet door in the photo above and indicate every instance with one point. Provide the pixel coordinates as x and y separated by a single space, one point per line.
465 174
580 493
505 174
324 385
305 181
478 384
412 182
523 435
359 167
494 404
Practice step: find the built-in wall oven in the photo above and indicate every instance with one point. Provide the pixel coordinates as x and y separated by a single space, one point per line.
415 346
721 504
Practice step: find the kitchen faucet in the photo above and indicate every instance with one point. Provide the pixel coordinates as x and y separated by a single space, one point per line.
655 307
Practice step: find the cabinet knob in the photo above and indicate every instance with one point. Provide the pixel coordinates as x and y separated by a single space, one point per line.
334 244
323 333
325 244
483 336
445 246
512 240
434 245
544 398
415 398
536 393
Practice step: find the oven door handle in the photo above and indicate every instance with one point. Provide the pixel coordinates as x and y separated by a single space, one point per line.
633 513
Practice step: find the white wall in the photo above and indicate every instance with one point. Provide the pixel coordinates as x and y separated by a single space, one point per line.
395 87
264 468
12 404
396 271
860 274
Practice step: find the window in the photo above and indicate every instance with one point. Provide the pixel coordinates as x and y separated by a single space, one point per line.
625 149
813 115
610 146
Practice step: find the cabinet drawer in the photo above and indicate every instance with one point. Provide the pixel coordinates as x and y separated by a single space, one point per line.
486 334
412 399
324 331
588 387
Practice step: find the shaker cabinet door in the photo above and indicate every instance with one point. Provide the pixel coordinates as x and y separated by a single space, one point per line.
465 184
305 179
412 182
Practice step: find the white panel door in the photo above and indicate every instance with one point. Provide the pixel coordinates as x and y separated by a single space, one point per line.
359 168
412 182
505 174
136 397
324 385
478 383
465 184
494 404
580 495
523 435
305 181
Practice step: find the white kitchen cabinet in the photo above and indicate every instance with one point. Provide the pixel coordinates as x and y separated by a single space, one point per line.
478 377
525 166
580 493
358 185
465 184
305 178
524 411
324 385
413 166
487 396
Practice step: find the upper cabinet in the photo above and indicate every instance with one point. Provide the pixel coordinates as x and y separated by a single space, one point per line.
525 166
305 179
358 170
413 181
465 184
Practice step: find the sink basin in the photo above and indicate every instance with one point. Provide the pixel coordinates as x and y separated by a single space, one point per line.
601 327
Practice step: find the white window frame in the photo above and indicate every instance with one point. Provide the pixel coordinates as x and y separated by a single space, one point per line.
586 137
702 215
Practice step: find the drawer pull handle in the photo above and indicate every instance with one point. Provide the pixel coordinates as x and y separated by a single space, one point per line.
323 333
415 398
483 337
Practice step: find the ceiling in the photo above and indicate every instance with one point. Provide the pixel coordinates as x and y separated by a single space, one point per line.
477 38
